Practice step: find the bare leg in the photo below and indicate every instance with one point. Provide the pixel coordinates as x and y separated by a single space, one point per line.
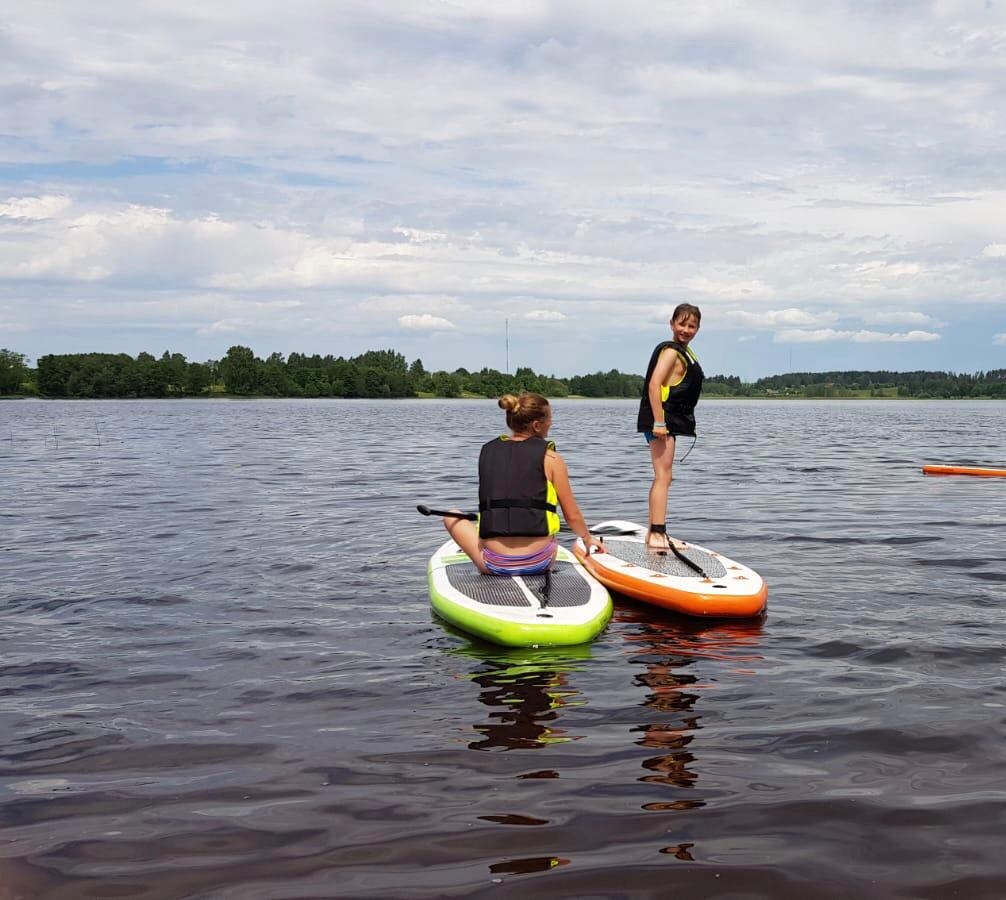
466 536
662 457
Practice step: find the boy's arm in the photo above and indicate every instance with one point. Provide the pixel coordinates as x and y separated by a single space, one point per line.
669 366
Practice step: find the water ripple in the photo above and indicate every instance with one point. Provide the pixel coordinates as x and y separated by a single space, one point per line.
220 676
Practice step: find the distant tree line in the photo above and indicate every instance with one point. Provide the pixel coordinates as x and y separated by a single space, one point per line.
374 374
14 372
386 373
920 385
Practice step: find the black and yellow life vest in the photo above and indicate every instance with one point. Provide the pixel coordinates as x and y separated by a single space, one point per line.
679 400
516 499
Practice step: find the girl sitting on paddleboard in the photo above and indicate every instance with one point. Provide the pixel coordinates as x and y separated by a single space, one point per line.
522 482
671 390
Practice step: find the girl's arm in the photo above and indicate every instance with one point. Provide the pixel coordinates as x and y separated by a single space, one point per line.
558 474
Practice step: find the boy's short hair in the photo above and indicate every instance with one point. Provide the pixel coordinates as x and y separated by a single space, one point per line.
686 309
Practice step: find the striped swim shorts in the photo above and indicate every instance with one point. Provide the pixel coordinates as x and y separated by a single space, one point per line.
520 564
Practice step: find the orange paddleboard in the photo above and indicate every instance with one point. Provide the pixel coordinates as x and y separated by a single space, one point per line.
708 585
964 470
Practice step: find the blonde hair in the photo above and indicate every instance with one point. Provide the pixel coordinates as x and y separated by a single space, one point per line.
522 411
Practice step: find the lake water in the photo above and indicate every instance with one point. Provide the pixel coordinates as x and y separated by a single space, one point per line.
220 676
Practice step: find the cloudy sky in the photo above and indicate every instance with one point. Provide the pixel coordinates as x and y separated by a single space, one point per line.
507 183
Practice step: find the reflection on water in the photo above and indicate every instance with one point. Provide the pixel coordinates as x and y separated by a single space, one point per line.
539 699
526 703
527 866
668 649
527 690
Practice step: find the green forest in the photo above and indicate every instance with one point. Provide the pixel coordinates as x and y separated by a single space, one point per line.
388 374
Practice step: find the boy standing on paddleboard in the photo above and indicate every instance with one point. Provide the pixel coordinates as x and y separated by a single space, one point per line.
671 390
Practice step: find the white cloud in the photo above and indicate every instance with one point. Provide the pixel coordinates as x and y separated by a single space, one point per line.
898 317
770 319
125 241
425 322
44 207
545 315
885 269
823 335
11 325
226 326
751 289
908 337
999 339
289 168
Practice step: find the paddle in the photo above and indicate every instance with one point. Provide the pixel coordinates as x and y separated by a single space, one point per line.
602 530
426 511
473 517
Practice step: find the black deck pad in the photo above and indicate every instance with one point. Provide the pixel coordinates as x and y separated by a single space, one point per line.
666 563
567 586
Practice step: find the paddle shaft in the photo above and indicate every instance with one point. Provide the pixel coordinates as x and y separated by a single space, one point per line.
473 517
426 511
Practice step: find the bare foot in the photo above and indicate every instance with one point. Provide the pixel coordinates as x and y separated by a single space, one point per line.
657 541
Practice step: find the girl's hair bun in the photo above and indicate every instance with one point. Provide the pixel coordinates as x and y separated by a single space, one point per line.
523 410
509 402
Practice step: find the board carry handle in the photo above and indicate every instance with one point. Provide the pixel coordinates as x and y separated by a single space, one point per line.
613 531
